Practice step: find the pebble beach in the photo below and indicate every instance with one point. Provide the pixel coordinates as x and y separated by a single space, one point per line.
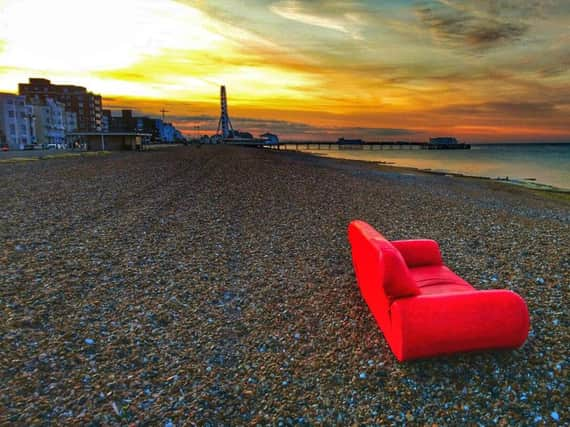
213 285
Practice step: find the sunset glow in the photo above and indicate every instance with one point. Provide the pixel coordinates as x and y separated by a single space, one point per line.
481 71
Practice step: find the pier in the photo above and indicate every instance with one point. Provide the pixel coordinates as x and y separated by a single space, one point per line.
377 145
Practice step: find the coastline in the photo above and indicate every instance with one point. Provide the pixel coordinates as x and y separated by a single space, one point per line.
443 168
548 191
214 284
536 187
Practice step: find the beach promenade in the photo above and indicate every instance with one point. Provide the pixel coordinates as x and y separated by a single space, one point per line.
214 285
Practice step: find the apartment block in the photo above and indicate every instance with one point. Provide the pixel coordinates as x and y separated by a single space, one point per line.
86 105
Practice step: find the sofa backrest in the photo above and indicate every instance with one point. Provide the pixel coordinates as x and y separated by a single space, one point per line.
398 281
379 266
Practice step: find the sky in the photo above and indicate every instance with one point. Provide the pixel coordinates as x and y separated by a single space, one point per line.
482 71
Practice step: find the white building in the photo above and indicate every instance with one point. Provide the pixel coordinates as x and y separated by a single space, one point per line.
16 122
50 119
270 138
166 131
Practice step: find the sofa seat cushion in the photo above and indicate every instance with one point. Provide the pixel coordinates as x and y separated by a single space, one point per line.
438 279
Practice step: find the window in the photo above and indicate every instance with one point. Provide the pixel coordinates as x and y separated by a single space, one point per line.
10 101
23 128
10 113
13 129
24 140
22 115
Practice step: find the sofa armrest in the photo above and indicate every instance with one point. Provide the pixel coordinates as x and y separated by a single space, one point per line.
419 253
428 325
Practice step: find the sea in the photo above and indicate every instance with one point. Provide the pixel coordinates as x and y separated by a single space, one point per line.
540 165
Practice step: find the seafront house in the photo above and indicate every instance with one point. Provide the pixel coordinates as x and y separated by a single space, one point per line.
159 130
126 122
148 125
86 105
270 138
166 131
50 119
16 122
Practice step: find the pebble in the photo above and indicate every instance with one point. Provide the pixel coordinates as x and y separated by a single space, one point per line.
216 286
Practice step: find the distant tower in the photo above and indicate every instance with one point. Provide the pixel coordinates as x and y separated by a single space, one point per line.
225 124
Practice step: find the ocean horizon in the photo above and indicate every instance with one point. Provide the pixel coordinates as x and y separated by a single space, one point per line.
534 164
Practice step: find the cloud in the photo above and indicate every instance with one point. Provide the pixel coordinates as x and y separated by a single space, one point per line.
549 115
460 25
344 21
289 130
503 108
554 60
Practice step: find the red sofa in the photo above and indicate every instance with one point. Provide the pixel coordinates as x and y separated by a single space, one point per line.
422 307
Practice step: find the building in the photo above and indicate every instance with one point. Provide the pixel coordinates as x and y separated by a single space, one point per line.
126 122
148 125
270 138
178 137
70 121
344 141
49 122
166 131
443 140
106 121
110 141
158 130
86 105
16 122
